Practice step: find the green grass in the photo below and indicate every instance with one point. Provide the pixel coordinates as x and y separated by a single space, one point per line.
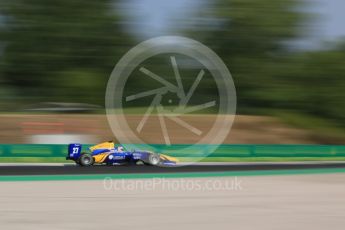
33 160
270 159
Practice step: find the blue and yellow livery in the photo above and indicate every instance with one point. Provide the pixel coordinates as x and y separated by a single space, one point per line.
108 154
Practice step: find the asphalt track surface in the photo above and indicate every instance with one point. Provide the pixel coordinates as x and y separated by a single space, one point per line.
308 202
16 170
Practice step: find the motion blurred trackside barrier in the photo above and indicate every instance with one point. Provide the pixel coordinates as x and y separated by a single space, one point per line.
223 151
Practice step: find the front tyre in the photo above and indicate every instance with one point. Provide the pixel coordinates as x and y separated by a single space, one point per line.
86 160
154 159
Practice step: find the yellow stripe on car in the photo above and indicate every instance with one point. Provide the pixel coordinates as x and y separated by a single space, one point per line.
169 158
105 145
100 157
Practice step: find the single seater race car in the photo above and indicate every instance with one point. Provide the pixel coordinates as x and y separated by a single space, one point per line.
108 154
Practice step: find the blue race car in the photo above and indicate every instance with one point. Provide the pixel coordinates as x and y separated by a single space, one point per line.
108 154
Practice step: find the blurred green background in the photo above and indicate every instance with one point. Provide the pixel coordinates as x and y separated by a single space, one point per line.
65 50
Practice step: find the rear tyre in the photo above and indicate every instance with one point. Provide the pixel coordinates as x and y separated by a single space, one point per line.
86 160
154 159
